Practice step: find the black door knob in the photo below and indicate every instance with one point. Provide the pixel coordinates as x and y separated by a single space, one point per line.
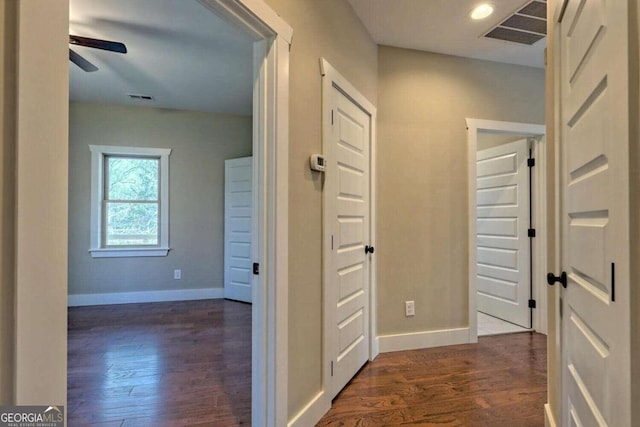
369 249
551 279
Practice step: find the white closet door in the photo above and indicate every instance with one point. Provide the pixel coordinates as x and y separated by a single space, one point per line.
347 213
238 209
503 252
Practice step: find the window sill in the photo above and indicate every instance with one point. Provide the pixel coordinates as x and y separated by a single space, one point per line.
128 252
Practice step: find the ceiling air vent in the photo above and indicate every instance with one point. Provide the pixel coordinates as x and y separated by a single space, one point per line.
526 26
140 97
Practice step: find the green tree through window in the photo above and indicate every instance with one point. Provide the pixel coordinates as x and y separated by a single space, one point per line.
131 201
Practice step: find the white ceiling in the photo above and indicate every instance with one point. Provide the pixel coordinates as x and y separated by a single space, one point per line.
444 26
178 52
189 59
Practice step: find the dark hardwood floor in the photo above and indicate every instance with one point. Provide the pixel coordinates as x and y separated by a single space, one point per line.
189 364
161 364
499 382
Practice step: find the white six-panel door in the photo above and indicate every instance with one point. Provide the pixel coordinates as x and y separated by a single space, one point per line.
594 144
503 261
347 201
238 210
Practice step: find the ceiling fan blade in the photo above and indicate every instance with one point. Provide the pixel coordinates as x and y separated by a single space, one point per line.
81 62
98 44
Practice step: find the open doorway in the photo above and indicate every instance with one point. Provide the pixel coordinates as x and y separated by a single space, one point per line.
150 132
267 91
506 227
42 187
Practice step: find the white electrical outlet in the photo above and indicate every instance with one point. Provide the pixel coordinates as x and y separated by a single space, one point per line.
409 308
177 274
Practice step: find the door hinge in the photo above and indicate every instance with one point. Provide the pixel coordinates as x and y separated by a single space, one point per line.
531 232
332 368
532 303
332 242
256 268
531 162
331 116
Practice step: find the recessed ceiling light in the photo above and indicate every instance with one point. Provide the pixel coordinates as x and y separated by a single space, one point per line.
481 12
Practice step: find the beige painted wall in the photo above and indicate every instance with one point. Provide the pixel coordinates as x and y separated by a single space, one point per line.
330 29
8 9
200 143
422 244
41 206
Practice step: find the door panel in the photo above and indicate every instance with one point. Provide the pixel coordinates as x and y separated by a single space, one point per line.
505 195
502 250
498 166
502 289
498 227
594 149
347 220
238 201
587 23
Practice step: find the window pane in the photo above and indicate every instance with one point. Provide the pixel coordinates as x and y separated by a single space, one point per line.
131 224
131 178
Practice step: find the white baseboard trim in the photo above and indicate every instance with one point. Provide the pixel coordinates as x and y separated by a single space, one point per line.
417 340
79 300
312 412
549 419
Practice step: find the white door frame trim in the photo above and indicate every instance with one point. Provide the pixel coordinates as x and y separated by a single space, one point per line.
332 78
539 215
269 348
272 37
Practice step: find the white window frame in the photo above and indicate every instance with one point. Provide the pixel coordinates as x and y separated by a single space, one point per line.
98 154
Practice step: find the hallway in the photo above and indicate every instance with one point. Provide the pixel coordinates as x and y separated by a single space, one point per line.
188 363
499 382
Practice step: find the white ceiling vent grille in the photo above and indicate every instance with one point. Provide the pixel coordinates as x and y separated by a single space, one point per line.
526 26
